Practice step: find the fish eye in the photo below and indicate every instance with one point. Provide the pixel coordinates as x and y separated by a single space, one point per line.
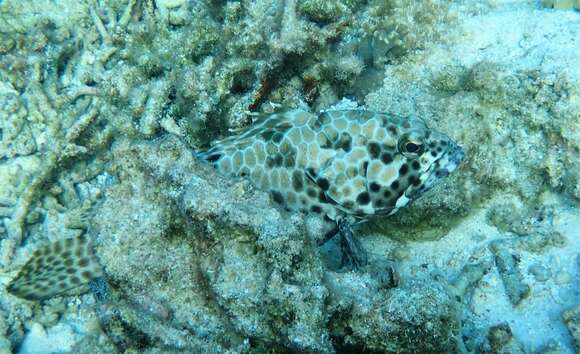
411 146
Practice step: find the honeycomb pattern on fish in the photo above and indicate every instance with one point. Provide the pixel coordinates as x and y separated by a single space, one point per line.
55 269
352 162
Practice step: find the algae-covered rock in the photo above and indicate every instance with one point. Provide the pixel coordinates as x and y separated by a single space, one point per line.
419 316
206 255
572 319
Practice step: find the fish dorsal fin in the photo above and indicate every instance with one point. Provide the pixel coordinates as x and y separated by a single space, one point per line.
265 127
56 269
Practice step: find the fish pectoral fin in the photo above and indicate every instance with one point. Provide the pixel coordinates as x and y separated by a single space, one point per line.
354 255
62 267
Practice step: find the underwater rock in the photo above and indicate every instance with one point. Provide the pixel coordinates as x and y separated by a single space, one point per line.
419 316
500 340
572 319
513 280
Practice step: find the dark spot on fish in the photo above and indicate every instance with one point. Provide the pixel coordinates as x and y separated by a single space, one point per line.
395 185
311 192
323 183
375 187
344 142
289 160
267 135
311 171
365 167
277 196
317 209
297 181
386 158
244 172
404 169
433 153
415 165
277 137
321 120
387 193
392 129
283 127
414 180
374 149
363 198
278 160
327 143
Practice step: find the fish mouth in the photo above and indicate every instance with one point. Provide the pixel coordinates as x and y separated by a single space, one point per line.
454 158
447 164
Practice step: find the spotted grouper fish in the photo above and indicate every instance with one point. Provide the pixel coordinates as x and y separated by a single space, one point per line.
344 164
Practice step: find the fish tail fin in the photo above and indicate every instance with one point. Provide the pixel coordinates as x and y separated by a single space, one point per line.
55 269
